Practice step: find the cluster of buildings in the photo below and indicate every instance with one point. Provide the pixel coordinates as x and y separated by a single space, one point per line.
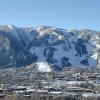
69 84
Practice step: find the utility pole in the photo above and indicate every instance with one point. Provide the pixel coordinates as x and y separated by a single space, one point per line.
98 61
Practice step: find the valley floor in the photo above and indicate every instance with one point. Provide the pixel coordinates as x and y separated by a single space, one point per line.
69 84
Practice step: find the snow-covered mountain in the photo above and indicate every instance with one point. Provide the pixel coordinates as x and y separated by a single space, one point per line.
48 47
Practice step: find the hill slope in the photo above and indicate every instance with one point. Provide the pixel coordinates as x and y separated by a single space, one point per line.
48 46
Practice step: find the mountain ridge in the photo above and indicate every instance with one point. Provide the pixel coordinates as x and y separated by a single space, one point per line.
55 47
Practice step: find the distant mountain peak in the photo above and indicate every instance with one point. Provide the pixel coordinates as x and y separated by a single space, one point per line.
7 27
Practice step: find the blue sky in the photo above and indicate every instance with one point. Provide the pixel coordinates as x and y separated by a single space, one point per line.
69 14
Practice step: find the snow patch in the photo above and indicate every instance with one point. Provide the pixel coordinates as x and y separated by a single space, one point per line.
43 67
11 27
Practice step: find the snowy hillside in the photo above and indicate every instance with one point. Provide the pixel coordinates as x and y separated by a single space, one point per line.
48 47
